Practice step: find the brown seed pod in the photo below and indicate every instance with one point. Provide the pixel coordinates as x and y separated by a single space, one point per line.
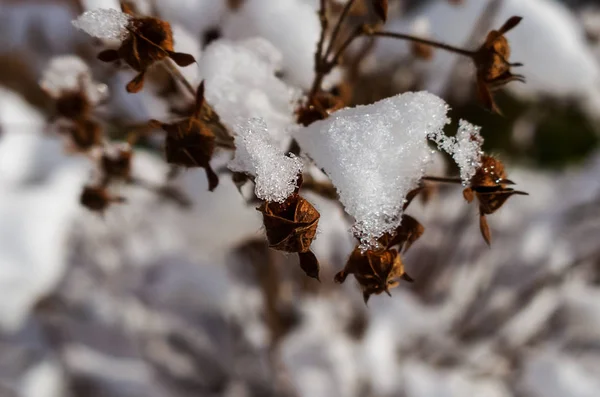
150 40
291 227
489 186
116 165
85 134
322 104
375 270
493 67
73 105
190 143
98 199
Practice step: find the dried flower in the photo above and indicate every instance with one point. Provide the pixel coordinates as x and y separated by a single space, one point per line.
73 105
489 185
291 227
493 67
375 270
318 108
149 40
98 199
116 165
190 143
84 134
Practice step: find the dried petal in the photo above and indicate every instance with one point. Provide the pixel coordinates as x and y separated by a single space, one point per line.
485 229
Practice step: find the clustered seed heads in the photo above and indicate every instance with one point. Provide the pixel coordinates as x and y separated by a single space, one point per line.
290 223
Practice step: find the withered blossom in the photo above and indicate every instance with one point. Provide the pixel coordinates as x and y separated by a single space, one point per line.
116 165
149 40
318 108
73 105
98 199
190 142
84 134
489 186
291 226
492 63
378 270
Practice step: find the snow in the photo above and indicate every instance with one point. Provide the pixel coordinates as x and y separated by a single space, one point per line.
240 84
256 154
375 155
70 73
291 25
467 151
103 23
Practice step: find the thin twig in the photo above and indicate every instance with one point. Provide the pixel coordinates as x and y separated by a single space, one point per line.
319 74
442 179
358 31
337 28
176 74
403 36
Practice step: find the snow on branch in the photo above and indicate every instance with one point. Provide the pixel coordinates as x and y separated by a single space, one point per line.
256 154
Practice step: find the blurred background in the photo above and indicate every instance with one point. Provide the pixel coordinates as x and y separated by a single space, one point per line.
153 299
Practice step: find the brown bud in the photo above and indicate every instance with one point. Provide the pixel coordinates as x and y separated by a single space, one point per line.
291 227
319 108
492 63
98 199
375 270
150 40
73 105
117 165
489 186
85 134
190 143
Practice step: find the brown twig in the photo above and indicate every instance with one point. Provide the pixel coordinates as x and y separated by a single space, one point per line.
441 179
403 36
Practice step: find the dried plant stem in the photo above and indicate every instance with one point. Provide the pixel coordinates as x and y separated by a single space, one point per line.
319 75
357 32
403 36
337 28
442 179
176 74
322 66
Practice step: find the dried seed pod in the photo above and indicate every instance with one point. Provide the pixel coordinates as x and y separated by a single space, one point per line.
98 199
150 40
190 143
116 165
85 134
493 67
319 108
409 231
291 227
489 186
375 270
73 105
